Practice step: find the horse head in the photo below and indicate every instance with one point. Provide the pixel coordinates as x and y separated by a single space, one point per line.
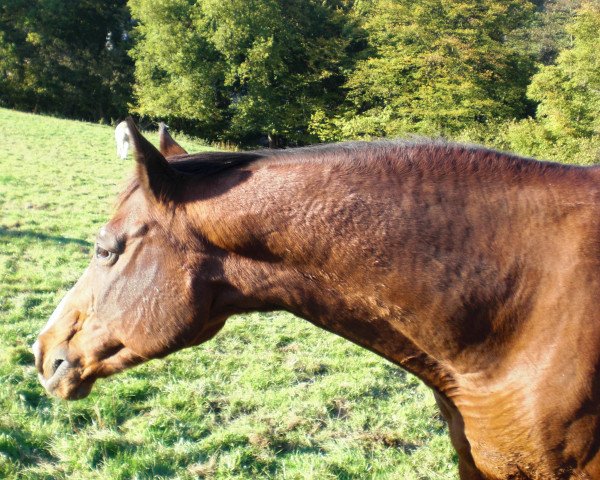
141 297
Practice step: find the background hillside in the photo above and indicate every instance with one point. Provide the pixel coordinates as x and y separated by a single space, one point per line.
521 75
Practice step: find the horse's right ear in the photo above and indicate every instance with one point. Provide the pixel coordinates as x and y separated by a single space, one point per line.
154 173
168 146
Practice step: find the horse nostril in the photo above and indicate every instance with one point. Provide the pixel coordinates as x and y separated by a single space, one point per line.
57 363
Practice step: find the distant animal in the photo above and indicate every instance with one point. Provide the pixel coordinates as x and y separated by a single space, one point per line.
477 271
122 139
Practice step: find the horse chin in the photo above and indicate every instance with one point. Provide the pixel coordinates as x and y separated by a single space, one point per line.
79 392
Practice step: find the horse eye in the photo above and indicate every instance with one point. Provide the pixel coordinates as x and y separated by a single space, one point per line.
104 256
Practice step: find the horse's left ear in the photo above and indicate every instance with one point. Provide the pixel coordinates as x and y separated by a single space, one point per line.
168 146
154 173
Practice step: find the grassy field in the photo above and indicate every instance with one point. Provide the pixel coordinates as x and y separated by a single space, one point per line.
270 397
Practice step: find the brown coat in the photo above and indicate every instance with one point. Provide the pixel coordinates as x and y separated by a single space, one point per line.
475 270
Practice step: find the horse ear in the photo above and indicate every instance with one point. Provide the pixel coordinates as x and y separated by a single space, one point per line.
154 173
168 146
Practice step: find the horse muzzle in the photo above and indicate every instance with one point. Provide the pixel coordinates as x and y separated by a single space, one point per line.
60 377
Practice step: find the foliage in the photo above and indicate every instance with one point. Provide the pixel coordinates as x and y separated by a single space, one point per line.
567 123
569 92
548 35
284 72
240 69
271 396
435 68
65 57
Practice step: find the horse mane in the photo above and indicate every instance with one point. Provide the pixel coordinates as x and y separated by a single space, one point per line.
206 164
432 154
360 156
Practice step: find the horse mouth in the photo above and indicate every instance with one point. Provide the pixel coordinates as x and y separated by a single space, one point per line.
66 383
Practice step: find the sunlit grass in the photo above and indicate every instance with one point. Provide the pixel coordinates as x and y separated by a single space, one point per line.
270 397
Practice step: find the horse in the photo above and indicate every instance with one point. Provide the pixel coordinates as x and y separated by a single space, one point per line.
478 271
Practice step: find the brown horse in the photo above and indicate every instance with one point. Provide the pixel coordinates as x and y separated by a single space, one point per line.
477 271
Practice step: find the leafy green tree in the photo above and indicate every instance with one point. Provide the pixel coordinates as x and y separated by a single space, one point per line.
178 72
569 92
435 68
548 35
240 69
545 35
65 57
567 125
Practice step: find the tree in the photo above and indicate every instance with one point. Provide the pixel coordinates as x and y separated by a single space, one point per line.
65 57
240 69
549 35
569 92
567 125
435 68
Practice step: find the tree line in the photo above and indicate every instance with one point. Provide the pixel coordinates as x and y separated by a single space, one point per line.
521 75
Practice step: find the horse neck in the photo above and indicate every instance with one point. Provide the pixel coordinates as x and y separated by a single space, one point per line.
430 287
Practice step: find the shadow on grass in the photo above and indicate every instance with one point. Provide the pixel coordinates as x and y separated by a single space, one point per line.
21 447
6 233
102 450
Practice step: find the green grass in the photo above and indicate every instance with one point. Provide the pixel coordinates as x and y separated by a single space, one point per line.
270 397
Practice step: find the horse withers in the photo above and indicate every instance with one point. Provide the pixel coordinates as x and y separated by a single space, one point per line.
475 270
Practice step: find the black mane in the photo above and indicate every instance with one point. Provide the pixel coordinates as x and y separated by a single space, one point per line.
210 163
435 152
205 164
